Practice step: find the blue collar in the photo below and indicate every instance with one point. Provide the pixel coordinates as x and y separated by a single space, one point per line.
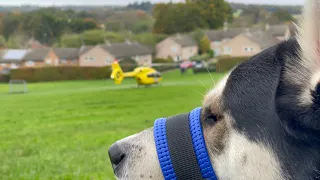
178 139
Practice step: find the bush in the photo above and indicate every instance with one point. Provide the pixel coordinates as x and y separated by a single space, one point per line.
166 67
4 78
60 73
227 63
211 53
161 60
203 57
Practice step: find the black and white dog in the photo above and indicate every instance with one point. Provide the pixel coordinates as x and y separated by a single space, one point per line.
262 121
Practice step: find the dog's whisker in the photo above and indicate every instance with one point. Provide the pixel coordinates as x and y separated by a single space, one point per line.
205 65
197 92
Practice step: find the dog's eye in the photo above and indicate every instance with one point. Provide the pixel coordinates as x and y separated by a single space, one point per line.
211 119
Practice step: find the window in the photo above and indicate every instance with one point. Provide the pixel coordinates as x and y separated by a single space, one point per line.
174 49
63 61
248 49
227 50
90 58
13 66
154 75
108 60
30 63
48 61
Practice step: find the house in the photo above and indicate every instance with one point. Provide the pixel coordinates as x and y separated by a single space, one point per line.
247 44
178 47
217 37
40 57
104 55
67 56
281 32
12 58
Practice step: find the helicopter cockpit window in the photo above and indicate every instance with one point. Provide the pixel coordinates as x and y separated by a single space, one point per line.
154 75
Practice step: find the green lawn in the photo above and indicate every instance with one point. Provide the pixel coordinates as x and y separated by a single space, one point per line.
62 130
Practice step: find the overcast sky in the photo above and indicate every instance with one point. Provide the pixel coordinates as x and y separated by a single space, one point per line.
123 2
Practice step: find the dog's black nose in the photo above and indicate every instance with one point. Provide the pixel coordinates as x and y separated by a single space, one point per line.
116 155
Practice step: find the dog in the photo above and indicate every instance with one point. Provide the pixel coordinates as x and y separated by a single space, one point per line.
262 121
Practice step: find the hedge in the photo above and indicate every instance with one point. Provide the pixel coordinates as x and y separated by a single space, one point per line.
4 78
60 73
227 63
161 60
203 57
166 67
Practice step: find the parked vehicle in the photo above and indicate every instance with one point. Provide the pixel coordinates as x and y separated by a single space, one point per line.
202 66
186 64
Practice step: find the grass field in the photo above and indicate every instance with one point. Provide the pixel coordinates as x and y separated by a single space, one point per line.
62 130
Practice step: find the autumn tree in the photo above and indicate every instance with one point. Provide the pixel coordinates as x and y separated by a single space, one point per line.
214 12
204 45
180 17
71 40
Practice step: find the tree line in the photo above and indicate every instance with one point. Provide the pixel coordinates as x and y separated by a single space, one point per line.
143 22
171 18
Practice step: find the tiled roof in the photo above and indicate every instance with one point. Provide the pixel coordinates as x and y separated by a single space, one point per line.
37 54
120 50
184 40
66 53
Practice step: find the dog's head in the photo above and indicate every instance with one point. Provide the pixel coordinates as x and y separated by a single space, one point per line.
262 121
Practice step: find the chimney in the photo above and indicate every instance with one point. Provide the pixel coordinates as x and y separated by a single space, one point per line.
128 41
267 27
225 26
107 42
247 32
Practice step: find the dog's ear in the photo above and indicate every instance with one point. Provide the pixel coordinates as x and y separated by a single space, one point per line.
298 96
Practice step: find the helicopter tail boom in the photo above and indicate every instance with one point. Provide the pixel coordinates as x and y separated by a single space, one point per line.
117 74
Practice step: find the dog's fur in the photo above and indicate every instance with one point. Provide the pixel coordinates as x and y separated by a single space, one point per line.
267 111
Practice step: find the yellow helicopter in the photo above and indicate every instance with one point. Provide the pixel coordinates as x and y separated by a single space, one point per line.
144 75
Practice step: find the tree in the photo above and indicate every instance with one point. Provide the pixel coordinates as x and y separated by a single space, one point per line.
181 17
142 26
146 6
93 37
16 41
283 15
149 39
10 25
204 45
113 37
71 40
214 12
2 41
114 26
197 34
132 20
79 25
